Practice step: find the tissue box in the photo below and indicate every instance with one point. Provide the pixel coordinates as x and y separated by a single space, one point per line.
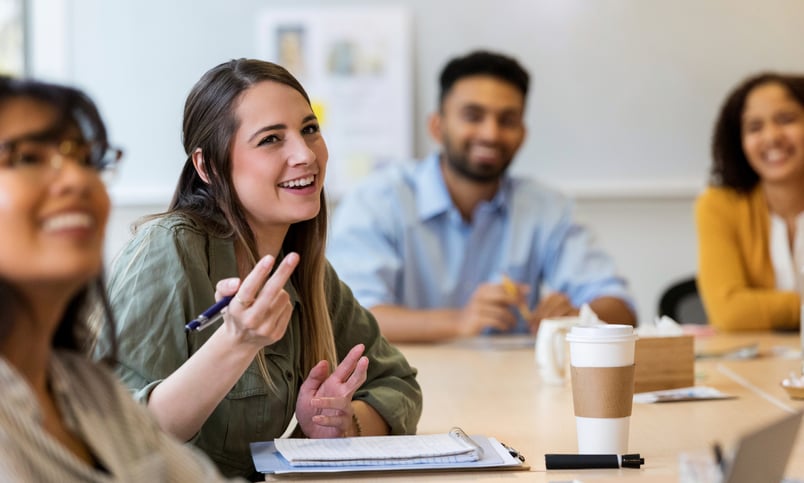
664 363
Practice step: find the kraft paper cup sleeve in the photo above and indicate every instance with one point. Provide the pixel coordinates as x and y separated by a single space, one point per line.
603 392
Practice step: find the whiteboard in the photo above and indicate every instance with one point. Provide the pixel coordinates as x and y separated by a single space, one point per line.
624 92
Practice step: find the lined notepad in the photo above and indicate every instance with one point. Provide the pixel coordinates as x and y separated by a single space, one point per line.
452 447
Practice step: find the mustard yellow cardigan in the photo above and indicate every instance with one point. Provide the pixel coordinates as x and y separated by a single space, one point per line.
735 274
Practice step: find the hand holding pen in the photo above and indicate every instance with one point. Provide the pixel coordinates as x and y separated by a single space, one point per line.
555 304
209 316
258 309
518 293
488 307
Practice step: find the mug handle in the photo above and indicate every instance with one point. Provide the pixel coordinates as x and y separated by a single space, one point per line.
558 355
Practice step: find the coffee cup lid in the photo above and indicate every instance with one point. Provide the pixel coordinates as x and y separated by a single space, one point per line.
601 333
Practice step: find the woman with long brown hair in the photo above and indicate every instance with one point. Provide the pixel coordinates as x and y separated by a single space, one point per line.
248 220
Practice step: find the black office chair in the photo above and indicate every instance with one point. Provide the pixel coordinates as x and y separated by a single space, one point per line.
681 302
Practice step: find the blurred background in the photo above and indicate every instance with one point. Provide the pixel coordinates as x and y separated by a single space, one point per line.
623 98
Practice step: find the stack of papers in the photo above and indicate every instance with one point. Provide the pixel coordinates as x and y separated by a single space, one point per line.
451 451
377 450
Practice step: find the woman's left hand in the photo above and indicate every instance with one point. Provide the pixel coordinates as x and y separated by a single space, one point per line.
324 406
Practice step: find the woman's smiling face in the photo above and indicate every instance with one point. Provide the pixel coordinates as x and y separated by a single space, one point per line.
279 157
773 133
53 216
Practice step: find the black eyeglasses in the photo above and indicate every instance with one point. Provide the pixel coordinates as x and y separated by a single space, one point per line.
38 154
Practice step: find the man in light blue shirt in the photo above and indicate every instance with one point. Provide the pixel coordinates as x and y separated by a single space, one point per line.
431 248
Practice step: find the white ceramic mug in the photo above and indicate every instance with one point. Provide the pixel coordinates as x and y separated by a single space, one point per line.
551 348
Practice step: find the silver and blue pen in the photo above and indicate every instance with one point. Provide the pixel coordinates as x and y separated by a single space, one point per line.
209 316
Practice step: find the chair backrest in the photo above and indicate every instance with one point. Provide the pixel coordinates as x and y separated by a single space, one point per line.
681 302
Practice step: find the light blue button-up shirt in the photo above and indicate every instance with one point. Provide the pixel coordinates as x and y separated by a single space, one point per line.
398 239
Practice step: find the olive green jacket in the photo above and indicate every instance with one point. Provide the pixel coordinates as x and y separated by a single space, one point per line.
166 275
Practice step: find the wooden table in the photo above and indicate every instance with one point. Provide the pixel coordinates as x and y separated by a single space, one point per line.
491 386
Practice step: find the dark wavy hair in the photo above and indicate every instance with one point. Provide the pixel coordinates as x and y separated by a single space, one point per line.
482 62
730 167
75 111
210 124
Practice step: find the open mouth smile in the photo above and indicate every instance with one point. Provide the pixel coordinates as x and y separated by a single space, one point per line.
298 183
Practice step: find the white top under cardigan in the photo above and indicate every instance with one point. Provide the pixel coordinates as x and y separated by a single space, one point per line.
784 262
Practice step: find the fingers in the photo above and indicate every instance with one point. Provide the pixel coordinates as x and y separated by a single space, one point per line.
338 420
344 380
494 294
226 287
323 406
261 309
516 293
281 275
251 285
338 404
350 373
255 284
318 374
334 413
497 316
333 402
282 319
349 363
489 307
473 323
358 376
555 305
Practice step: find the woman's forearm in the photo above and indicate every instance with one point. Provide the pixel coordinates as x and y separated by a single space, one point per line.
185 399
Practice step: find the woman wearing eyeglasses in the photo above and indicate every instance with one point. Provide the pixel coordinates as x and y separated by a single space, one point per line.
62 417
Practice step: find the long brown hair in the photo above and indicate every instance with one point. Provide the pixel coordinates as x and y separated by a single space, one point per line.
210 124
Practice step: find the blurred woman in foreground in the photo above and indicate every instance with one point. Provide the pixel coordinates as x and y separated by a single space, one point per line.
62 417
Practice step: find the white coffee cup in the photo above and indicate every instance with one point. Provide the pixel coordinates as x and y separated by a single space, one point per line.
551 348
602 368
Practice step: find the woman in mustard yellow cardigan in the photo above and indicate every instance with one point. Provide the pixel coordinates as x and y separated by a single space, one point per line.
750 220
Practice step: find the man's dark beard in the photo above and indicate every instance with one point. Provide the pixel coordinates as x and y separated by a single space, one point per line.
484 174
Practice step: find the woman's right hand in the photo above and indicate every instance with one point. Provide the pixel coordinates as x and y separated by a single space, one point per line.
257 316
259 313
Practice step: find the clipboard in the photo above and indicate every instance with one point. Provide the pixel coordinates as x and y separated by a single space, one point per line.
495 456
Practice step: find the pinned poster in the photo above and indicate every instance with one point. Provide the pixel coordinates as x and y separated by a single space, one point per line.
356 64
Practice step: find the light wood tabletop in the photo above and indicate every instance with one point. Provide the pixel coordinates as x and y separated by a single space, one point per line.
491 386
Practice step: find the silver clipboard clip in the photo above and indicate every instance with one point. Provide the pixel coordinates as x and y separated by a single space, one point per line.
458 433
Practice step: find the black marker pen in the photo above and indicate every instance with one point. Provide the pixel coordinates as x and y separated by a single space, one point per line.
589 461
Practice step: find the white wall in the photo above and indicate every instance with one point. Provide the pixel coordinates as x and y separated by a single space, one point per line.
652 240
624 94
